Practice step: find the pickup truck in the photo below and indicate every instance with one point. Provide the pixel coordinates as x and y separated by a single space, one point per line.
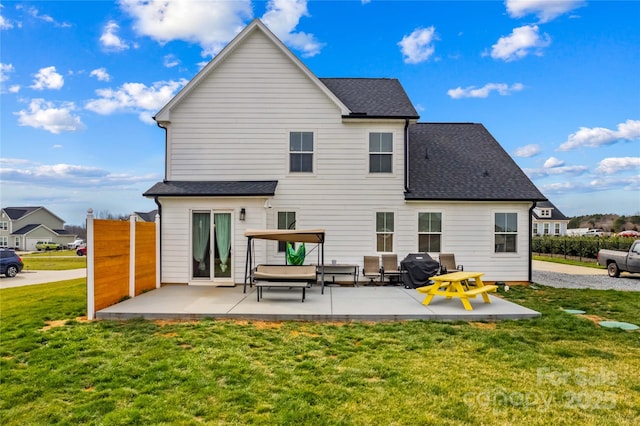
620 261
46 245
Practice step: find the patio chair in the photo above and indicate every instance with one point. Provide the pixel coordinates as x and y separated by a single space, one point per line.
448 263
372 269
390 268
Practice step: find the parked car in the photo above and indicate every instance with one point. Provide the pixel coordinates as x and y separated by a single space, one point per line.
10 263
77 243
629 233
81 251
594 233
48 245
620 261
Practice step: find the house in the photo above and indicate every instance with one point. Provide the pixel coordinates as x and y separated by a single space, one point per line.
256 141
548 220
22 227
146 216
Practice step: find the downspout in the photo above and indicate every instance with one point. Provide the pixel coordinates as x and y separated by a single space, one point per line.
533 204
406 155
155 199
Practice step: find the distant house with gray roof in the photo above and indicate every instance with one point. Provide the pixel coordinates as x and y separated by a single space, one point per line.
22 227
547 219
256 141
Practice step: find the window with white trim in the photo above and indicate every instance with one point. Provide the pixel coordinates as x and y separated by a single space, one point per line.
301 152
535 228
429 231
384 232
4 241
286 220
556 228
380 152
546 228
505 232
4 225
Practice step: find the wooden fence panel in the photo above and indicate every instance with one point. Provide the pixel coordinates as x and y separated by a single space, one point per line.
111 260
145 257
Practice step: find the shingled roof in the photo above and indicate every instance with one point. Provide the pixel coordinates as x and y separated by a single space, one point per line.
372 97
555 213
462 161
212 188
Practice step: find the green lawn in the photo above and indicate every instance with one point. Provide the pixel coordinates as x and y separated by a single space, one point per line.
53 260
557 369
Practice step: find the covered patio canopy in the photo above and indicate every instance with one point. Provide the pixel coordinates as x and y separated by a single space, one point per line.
313 236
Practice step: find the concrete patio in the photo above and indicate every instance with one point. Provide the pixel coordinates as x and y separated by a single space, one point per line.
385 303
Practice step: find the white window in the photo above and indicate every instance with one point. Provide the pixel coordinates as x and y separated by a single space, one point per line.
384 231
4 241
545 213
506 232
380 152
301 152
535 228
556 228
286 220
546 229
429 232
4 225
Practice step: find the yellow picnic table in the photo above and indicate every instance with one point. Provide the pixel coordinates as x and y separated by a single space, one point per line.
463 285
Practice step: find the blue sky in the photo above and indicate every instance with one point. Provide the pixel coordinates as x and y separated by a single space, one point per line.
556 83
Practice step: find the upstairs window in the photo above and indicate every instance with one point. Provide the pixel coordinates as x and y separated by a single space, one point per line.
384 232
506 232
380 152
429 232
4 225
301 152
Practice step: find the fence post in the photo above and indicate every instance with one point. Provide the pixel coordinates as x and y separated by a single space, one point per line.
132 255
157 222
91 301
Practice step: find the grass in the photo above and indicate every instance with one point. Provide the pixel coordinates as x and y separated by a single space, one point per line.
568 261
556 369
54 260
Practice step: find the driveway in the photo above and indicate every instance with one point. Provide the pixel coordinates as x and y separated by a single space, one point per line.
41 277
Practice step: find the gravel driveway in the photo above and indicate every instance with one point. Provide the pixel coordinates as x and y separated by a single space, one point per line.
626 282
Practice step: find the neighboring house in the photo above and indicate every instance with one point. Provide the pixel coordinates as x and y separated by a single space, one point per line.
548 220
22 227
146 217
256 140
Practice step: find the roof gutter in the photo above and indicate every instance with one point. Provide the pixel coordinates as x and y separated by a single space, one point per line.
166 148
533 205
157 201
406 155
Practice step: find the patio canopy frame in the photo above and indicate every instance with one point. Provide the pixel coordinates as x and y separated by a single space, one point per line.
312 236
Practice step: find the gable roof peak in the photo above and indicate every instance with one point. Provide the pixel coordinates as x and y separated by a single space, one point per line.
256 25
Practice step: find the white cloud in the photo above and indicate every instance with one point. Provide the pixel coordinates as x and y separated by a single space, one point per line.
110 40
520 43
527 151
211 24
101 74
615 183
171 61
282 17
65 175
418 46
545 10
135 98
614 165
46 18
598 136
5 24
4 70
47 78
45 115
14 89
553 162
483 92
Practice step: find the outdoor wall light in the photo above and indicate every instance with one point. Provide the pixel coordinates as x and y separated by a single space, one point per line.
243 214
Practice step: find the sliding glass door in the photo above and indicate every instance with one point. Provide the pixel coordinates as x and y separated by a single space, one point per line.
211 238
